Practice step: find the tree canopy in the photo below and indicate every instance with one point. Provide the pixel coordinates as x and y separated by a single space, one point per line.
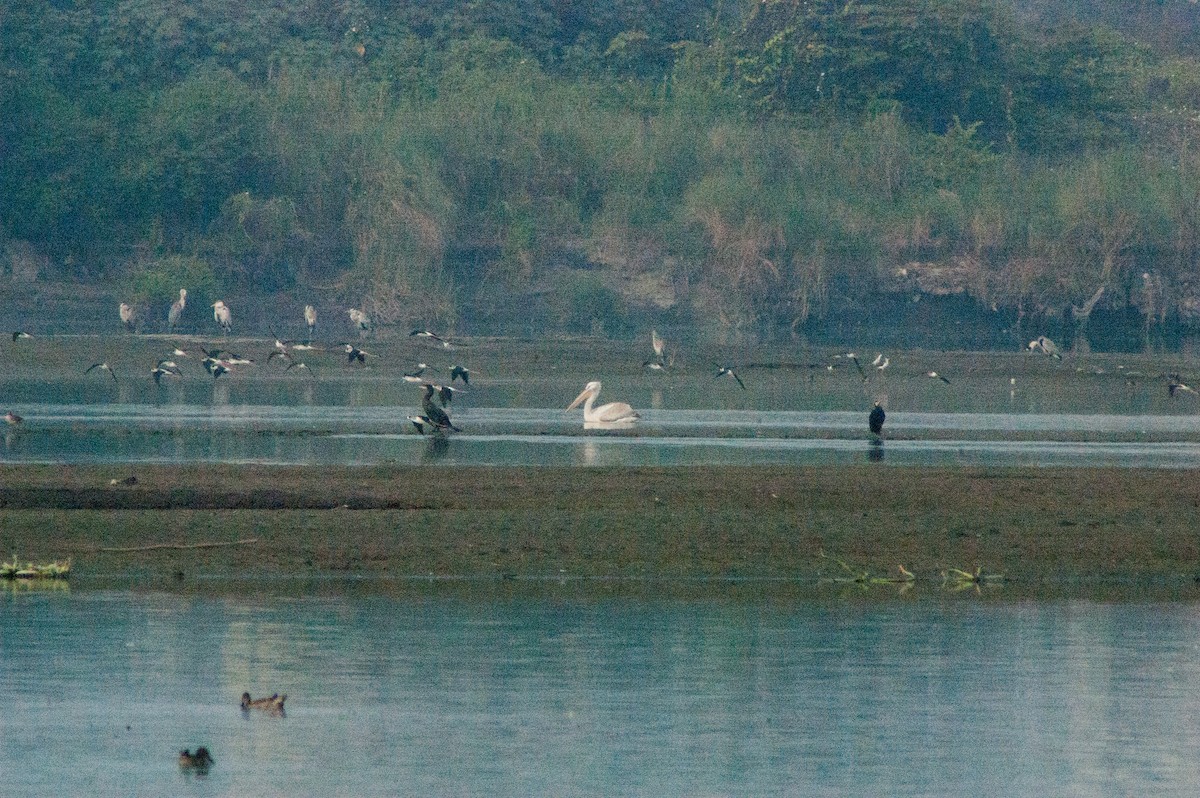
744 163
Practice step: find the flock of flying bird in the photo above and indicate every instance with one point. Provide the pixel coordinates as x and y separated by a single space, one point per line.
218 362
434 417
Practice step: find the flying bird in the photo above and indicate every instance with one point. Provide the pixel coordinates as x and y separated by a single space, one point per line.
223 316
164 368
102 367
353 353
727 371
128 316
426 334
176 310
20 334
857 365
1176 385
215 367
458 372
611 413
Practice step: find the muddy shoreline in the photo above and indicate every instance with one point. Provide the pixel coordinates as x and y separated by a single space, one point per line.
792 524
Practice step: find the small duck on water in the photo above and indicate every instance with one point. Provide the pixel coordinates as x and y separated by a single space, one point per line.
200 761
273 704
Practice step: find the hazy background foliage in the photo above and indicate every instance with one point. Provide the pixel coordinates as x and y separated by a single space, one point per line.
737 166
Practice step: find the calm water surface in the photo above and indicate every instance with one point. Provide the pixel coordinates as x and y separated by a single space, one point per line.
807 407
441 692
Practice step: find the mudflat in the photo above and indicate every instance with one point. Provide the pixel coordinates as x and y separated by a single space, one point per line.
1033 525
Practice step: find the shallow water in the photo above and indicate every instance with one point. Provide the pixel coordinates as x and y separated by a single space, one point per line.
180 433
799 407
568 692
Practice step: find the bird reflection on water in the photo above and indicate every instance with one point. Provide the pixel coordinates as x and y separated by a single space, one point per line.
875 450
436 449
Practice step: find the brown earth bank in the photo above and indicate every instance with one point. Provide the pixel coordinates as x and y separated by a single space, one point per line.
794 524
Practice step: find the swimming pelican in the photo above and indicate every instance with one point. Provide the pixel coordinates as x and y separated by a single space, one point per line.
223 316
20 334
177 309
653 365
102 367
611 413
12 419
875 420
727 371
128 316
310 318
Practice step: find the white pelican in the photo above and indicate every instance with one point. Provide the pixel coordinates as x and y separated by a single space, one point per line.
128 316
177 309
223 316
611 413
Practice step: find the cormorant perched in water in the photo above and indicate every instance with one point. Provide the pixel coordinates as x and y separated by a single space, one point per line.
875 420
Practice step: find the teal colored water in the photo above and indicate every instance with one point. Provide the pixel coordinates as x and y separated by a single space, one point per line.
574 693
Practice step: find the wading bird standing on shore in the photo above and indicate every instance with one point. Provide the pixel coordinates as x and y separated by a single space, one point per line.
310 319
611 413
223 316
176 311
128 316
360 320
437 416
876 419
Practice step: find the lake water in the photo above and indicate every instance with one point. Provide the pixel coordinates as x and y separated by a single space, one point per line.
364 435
798 408
444 690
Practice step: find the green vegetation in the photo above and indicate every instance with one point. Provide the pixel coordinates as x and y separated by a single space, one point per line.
731 164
